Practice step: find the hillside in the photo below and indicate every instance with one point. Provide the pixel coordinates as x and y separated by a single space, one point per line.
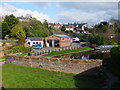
35 28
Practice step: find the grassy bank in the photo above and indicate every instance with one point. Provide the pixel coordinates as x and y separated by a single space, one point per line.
27 77
67 51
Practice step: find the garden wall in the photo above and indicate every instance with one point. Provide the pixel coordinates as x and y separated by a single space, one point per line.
56 64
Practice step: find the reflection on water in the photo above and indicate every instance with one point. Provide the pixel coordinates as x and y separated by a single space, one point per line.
86 55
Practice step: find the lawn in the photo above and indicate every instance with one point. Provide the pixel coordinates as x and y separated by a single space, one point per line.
27 77
54 53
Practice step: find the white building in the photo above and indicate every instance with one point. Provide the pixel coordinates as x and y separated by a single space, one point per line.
69 29
84 26
76 27
35 40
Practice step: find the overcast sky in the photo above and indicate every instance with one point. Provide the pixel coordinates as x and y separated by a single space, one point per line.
63 12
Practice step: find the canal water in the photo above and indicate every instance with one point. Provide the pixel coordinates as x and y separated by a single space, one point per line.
86 55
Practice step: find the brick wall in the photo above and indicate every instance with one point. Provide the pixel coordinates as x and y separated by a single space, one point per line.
1 53
65 43
56 64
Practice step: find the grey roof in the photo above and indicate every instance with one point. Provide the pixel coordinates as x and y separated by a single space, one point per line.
35 38
61 35
75 24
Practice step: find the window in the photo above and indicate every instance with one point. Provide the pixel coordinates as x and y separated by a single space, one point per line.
36 42
33 42
29 43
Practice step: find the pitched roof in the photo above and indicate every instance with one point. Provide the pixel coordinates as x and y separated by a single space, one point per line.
61 35
75 25
35 38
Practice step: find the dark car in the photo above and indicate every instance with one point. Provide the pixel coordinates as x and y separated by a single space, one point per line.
83 45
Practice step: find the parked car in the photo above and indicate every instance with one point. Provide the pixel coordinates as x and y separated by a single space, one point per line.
83 45
76 40
37 46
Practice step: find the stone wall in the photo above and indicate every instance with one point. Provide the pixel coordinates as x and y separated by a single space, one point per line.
56 64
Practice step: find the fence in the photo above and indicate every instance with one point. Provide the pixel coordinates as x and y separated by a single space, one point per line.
55 49
107 47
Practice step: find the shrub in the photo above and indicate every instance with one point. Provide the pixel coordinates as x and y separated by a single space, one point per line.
115 53
115 61
99 40
21 48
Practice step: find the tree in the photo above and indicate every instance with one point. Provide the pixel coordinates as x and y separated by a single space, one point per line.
116 28
0 30
45 23
8 23
19 33
104 28
11 20
114 62
63 28
99 40
5 29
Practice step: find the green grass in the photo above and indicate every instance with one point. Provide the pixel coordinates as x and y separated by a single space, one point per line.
26 77
2 57
67 51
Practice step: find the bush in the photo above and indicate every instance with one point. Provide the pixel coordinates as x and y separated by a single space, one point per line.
21 48
115 60
115 53
99 40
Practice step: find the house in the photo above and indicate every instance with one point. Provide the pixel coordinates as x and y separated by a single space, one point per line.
58 40
69 27
55 25
35 40
26 18
76 27
109 35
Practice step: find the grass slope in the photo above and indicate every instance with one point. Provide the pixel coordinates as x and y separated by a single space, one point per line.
67 51
26 77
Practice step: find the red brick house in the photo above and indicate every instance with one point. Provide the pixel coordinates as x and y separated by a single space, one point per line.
58 40
109 35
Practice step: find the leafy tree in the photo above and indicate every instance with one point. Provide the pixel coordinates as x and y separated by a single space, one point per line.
99 40
115 60
0 30
8 23
18 33
11 20
45 23
104 28
63 28
50 27
5 29
35 28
